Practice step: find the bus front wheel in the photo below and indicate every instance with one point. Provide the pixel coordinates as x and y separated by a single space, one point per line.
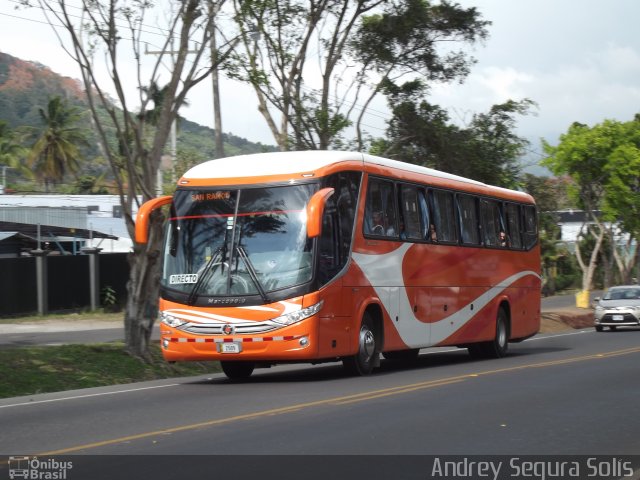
237 370
367 357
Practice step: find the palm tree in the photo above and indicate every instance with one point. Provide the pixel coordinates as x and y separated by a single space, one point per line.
156 94
11 151
57 150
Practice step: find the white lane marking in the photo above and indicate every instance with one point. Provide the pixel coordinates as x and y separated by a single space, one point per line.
580 332
88 395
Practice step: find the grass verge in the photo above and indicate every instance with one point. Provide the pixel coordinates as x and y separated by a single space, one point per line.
31 370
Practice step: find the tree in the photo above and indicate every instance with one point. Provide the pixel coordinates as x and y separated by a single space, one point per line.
116 29
487 149
11 153
89 185
400 47
549 194
603 162
622 199
57 149
380 40
11 150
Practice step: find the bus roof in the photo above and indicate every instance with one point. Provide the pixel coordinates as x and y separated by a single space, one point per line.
262 167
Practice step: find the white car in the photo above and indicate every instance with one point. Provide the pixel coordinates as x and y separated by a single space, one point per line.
619 307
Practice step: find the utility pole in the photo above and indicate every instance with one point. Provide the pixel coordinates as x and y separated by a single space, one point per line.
217 115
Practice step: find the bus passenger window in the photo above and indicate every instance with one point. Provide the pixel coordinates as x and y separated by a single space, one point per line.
492 223
380 214
443 216
337 224
411 214
328 246
513 225
424 214
530 226
468 217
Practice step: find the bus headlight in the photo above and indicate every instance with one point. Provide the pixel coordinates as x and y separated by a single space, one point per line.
295 317
170 320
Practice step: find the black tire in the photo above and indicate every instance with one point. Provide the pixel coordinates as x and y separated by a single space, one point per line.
367 357
237 370
599 328
498 347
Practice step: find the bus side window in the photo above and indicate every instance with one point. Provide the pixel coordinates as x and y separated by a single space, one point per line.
513 225
530 226
468 216
381 209
492 224
337 224
425 216
329 244
411 213
444 219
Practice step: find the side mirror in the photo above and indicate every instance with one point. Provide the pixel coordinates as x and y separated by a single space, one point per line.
142 218
315 209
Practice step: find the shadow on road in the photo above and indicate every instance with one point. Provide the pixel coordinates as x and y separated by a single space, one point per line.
430 361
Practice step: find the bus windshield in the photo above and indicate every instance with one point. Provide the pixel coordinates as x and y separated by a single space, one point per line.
233 243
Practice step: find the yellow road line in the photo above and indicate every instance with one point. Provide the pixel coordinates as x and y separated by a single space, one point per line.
397 391
344 400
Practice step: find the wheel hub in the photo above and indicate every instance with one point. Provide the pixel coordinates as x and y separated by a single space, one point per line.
367 344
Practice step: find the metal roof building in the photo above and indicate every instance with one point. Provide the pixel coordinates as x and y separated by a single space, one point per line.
66 221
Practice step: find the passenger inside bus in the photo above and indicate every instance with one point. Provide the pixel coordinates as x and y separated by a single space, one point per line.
433 236
504 241
403 232
380 227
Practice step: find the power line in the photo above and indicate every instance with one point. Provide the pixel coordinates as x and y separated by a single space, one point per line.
160 32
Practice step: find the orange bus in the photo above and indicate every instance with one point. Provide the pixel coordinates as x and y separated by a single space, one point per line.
321 256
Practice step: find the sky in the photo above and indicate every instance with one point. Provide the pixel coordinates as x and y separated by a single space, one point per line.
579 60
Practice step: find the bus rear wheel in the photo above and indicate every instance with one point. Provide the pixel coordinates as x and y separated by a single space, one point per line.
237 370
496 348
367 357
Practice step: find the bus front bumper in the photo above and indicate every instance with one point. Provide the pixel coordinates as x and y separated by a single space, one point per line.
286 344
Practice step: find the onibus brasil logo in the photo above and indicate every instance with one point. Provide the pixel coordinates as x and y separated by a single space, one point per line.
34 468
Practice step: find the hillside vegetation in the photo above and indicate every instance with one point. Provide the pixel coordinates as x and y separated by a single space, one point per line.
26 87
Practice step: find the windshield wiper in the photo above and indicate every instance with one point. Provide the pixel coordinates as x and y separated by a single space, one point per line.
252 273
217 255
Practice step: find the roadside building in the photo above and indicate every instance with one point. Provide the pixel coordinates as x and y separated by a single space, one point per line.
63 224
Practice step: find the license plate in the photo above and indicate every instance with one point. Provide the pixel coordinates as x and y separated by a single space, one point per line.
229 347
618 318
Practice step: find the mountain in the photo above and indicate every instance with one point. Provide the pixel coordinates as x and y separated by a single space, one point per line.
27 86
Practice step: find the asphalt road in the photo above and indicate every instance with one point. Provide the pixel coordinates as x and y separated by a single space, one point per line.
21 335
567 394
